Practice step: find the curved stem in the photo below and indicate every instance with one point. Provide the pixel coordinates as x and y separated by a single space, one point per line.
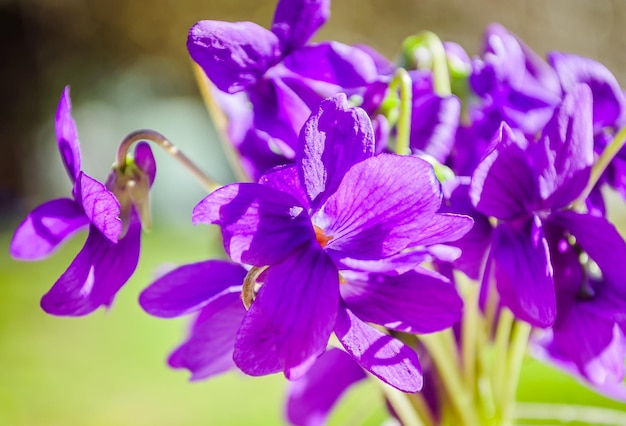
611 150
152 136
402 80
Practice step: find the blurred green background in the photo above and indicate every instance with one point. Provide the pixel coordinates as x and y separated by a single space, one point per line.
128 68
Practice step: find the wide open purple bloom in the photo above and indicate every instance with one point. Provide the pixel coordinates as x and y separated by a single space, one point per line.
108 258
282 77
306 222
523 183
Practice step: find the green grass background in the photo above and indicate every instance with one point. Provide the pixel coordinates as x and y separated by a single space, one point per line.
109 368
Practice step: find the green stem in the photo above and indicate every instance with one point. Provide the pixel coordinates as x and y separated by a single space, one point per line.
518 344
449 371
402 80
401 405
150 135
611 150
469 334
566 413
438 59
502 346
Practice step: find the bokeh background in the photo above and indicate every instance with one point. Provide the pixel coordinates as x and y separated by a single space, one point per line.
128 68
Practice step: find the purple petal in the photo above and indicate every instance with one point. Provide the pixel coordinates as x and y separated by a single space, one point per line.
100 205
67 136
385 204
332 140
191 287
413 302
295 21
334 63
523 272
385 357
96 274
608 99
434 121
144 159
293 315
393 265
46 227
602 242
311 398
564 155
208 351
286 179
261 225
234 55
503 184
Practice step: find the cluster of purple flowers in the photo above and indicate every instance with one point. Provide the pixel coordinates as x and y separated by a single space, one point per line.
343 239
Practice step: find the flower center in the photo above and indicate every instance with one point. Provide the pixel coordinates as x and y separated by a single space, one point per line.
321 237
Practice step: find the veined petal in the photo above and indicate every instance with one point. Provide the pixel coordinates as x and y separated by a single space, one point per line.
523 272
46 227
503 184
387 358
608 99
261 225
332 140
67 136
286 179
100 205
311 398
144 159
295 21
334 63
234 55
383 205
434 121
293 315
392 265
208 350
414 302
96 274
191 287
564 155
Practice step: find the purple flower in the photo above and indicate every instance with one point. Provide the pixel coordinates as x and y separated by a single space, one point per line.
338 209
107 260
524 184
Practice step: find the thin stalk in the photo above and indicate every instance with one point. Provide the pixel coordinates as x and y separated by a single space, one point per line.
519 342
567 413
469 334
402 80
150 135
611 150
220 122
449 372
502 346
401 406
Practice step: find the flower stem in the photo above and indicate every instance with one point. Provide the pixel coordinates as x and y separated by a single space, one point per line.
152 136
401 406
220 122
402 80
469 334
518 344
566 413
611 150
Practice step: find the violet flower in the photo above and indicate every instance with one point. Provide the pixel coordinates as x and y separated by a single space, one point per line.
524 184
338 208
107 259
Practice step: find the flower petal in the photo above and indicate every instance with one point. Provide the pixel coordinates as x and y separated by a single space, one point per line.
293 314
144 158
67 135
434 121
100 205
191 287
208 350
295 21
46 227
96 274
523 272
387 358
234 55
503 184
608 99
383 205
311 398
261 225
564 155
286 179
332 140
414 302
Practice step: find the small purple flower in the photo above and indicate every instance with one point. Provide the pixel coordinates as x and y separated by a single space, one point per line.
524 184
338 209
111 251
